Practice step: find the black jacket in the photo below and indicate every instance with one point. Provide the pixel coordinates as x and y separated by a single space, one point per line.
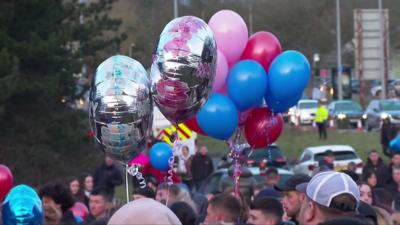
108 177
68 218
202 166
388 133
380 169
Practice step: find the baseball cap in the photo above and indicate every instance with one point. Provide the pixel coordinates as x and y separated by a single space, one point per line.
325 186
292 182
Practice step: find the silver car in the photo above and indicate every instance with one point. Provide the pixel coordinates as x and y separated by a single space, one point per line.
382 109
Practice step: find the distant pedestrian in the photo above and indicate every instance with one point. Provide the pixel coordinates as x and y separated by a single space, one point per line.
86 184
388 133
107 175
99 203
370 178
375 163
321 117
76 189
327 161
202 167
184 169
271 177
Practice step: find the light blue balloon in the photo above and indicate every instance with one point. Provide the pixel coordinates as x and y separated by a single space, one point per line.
22 206
281 106
247 83
288 75
160 153
218 118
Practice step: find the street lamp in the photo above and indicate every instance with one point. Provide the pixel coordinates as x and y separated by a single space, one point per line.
339 53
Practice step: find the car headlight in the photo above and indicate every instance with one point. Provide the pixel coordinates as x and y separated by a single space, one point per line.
384 115
364 116
341 116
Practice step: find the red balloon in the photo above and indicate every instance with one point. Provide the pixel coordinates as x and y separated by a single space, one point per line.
6 181
263 47
262 128
194 125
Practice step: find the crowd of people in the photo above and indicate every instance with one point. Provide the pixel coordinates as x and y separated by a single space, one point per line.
327 198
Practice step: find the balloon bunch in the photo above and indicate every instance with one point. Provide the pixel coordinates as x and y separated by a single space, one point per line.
249 71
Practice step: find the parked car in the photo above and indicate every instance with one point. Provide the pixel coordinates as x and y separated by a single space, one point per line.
382 109
211 184
345 113
266 157
311 156
304 112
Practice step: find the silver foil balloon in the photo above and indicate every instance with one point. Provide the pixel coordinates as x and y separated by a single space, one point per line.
183 68
121 111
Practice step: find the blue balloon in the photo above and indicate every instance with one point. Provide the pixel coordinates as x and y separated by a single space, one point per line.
218 118
281 106
22 206
288 75
160 153
247 83
394 144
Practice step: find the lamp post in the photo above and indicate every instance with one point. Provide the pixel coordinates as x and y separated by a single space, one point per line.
339 51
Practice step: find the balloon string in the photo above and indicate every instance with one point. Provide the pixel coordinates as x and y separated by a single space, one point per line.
126 184
176 147
235 152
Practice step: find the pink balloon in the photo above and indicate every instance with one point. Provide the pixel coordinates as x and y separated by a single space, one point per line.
221 73
141 159
80 209
230 32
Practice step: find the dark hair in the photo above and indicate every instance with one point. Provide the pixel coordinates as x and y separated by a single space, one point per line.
146 192
269 206
59 193
82 180
343 221
184 212
341 205
172 189
228 204
103 191
366 212
373 151
368 173
382 198
271 170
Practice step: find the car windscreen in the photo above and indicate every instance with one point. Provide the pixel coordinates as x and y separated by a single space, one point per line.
269 153
348 106
390 105
308 105
339 155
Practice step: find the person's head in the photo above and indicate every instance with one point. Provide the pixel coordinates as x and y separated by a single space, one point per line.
98 202
203 150
87 182
352 166
144 211
145 192
371 178
365 193
382 198
272 177
368 213
56 195
152 182
292 199
266 211
373 156
108 160
396 159
165 191
223 208
185 150
329 157
184 212
396 175
73 184
396 218
328 194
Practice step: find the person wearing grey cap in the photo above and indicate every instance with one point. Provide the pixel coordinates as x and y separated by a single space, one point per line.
329 194
292 199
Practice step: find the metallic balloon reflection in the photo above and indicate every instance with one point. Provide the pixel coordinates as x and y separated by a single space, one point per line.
22 206
121 111
183 68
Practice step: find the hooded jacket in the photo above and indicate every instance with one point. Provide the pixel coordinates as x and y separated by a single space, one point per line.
380 169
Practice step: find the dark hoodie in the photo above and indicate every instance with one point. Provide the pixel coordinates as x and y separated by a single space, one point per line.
380 169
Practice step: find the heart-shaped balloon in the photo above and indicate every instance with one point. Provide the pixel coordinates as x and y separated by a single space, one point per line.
183 68
121 111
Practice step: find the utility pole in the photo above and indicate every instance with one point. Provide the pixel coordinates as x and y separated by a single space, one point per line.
382 49
339 52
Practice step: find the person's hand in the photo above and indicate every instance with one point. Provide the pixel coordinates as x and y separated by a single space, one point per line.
52 215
